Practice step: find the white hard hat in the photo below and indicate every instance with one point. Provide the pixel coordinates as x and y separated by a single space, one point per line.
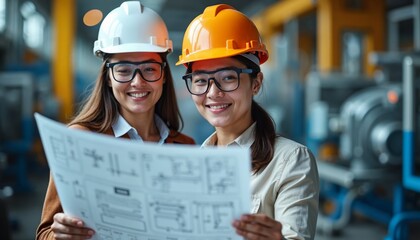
132 27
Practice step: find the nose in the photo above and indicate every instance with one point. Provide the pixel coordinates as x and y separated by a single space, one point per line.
213 90
138 79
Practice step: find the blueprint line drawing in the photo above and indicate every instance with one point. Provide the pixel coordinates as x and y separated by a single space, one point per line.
144 191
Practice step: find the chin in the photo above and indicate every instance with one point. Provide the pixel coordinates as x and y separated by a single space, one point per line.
218 123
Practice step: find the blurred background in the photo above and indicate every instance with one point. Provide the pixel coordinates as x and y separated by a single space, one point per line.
342 78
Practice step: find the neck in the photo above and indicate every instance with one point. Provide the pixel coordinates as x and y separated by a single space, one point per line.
145 126
228 135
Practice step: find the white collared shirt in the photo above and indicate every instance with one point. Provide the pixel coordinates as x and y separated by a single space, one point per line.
121 127
287 190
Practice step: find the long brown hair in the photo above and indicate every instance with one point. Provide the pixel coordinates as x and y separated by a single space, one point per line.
100 110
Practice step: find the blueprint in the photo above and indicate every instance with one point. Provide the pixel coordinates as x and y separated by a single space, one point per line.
143 191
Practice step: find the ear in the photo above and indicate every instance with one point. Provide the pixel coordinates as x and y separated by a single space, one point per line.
257 83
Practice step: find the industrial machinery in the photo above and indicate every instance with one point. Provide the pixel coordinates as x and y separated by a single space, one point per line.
325 94
411 172
364 134
370 124
344 113
364 127
17 130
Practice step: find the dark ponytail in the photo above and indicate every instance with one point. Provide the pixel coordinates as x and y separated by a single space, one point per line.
262 150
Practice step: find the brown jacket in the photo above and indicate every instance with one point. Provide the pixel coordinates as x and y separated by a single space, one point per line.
52 203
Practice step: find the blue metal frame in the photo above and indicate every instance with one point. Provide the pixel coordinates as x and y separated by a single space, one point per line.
397 228
409 179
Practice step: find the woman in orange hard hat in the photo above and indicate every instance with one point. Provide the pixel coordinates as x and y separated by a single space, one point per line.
133 97
222 51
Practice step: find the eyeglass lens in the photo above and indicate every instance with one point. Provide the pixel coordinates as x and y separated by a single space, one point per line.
226 80
125 72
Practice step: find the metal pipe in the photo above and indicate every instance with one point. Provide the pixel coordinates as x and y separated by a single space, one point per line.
409 179
328 225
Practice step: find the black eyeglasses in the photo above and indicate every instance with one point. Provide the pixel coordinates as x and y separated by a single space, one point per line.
226 79
125 71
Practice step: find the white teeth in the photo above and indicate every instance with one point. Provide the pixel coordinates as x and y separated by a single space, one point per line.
138 95
218 106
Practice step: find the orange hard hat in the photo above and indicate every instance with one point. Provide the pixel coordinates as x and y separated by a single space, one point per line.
221 31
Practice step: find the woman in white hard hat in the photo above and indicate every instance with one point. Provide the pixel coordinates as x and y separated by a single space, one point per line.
133 97
223 74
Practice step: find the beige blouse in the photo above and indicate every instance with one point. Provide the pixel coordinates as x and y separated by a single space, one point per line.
287 190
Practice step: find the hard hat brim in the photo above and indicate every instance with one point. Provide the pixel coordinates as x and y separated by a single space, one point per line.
216 53
133 47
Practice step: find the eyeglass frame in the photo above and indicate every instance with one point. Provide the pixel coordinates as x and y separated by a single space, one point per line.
188 77
137 70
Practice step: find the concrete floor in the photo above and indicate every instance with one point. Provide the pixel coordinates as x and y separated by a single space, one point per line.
25 211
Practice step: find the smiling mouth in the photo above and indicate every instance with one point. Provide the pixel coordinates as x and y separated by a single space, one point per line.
218 107
138 95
